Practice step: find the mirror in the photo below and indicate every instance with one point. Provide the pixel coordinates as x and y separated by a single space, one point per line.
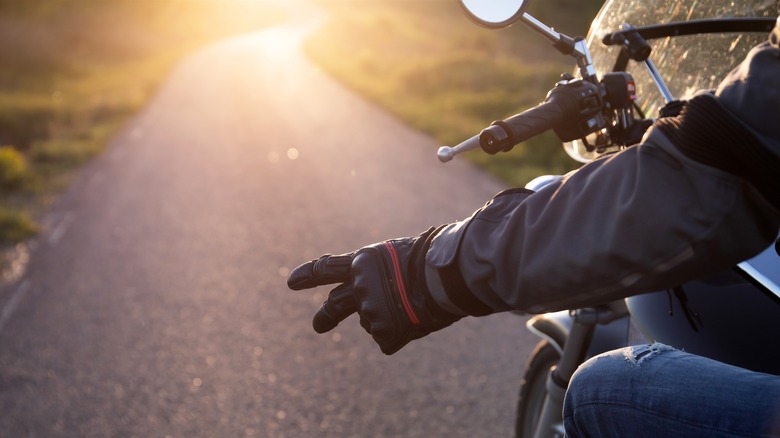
494 13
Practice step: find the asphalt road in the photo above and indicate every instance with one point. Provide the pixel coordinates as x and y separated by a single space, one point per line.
155 303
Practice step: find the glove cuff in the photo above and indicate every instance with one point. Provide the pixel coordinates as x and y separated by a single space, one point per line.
706 132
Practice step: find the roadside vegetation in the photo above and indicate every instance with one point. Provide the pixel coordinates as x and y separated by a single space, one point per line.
440 73
75 70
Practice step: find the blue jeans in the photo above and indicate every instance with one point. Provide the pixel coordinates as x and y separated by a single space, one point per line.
657 391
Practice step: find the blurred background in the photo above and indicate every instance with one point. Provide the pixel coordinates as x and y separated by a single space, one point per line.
72 74
74 71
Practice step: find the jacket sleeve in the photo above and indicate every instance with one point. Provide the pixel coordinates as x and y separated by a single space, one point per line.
699 195
645 219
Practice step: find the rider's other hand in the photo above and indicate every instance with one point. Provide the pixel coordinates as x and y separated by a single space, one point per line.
384 284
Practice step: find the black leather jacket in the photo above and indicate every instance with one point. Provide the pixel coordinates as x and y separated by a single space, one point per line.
678 206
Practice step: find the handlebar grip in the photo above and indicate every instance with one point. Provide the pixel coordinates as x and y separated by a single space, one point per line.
503 135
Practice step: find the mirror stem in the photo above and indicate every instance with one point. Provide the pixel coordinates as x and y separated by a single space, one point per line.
566 45
584 61
542 28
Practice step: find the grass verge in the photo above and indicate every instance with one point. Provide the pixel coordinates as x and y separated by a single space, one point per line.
75 70
427 64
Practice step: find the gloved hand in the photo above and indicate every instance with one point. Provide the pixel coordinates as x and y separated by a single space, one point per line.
385 284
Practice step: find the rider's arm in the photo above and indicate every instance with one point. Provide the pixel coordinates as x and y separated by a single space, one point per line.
699 195
646 219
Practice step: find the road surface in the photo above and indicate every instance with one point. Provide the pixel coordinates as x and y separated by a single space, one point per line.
155 302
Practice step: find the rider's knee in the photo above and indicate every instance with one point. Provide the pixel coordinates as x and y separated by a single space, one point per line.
608 368
605 379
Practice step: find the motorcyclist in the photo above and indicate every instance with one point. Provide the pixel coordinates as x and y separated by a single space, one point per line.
669 210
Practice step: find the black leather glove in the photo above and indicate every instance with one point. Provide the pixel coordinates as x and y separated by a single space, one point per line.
385 284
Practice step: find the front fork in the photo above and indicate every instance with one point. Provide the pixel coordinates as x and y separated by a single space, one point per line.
575 340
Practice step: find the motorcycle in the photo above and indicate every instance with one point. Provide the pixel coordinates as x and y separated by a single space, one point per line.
732 316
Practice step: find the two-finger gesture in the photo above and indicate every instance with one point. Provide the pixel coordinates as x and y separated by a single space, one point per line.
384 284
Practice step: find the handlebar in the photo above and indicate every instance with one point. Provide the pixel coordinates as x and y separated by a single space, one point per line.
572 109
503 135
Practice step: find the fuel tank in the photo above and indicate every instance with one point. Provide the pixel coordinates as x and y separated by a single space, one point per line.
732 317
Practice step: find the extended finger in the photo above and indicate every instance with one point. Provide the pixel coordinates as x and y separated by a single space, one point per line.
324 270
340 304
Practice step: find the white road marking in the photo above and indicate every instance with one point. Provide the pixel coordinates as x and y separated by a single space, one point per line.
60 229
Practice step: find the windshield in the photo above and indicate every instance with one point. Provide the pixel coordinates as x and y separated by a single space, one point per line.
687 63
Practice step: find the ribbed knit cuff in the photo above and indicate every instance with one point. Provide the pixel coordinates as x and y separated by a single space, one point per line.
706 132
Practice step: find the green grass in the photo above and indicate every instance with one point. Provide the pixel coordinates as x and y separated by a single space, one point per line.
427 64
75 70
17 225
